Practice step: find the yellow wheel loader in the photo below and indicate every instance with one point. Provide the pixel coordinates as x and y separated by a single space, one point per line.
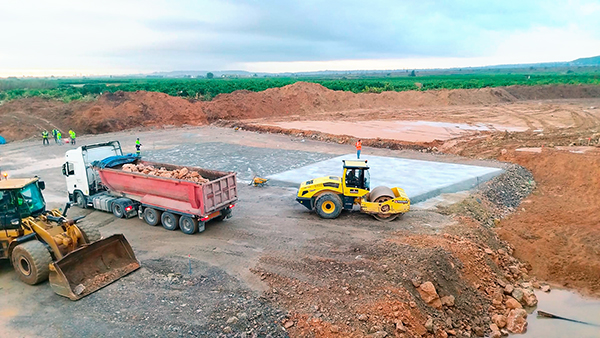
329 195
43 244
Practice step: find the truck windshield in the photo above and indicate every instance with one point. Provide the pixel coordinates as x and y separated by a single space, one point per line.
30 200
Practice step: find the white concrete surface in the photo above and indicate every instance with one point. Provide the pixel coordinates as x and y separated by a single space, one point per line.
420 179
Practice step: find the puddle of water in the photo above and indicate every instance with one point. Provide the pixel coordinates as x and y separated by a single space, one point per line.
413 131
566 304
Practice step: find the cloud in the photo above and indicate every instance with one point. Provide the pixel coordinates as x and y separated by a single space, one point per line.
121 36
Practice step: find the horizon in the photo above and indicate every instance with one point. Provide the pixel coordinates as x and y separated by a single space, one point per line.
66 39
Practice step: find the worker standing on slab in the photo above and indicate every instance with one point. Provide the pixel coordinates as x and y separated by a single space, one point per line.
59 137
358 146
45 138
72 134
138 145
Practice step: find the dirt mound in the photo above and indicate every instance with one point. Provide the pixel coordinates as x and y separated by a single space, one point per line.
303 98
124 110
557 228
550 92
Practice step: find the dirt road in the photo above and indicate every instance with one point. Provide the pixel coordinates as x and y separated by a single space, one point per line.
274 268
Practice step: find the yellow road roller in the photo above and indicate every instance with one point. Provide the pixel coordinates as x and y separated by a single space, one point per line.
329 195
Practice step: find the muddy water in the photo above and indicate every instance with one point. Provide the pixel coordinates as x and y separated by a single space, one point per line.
565 304
412 131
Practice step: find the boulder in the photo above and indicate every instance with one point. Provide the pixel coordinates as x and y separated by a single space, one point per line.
448 300
512 303
518 294
517 321
529 298
430 295
499 320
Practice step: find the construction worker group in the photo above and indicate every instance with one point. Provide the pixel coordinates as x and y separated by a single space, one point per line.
57 135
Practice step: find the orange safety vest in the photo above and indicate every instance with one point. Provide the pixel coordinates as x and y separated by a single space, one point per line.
358 145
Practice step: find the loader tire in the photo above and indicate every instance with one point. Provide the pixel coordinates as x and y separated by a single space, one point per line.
329 205
170 221
31 260
90 233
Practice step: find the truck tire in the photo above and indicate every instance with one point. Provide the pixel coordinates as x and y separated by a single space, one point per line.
80 200
31 260
90 233
329 205
152 216
118 210
170 221
188 225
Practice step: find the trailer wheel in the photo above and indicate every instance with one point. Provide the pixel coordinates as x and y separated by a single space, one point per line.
188 225
80 200
118 210
152 216
170 221
329 205
31 261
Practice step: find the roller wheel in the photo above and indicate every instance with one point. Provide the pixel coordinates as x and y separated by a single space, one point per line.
118 210
31 261
329 205
90 233
188 225
152 216
170 221
80 200
382 194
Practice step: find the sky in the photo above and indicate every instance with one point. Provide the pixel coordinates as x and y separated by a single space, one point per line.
64 37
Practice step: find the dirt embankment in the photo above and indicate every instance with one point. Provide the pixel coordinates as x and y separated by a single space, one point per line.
124 110
557 228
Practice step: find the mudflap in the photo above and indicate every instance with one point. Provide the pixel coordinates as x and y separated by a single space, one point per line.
92 267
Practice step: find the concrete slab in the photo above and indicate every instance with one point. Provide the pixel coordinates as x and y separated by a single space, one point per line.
420 179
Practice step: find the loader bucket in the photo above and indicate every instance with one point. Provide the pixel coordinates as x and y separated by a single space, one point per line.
92 267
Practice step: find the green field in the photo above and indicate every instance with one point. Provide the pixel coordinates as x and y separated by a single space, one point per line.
206 89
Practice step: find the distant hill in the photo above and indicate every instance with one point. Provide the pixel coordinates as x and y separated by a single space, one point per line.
591 61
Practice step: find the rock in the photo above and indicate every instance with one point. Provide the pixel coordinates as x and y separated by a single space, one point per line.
535 284
334 329
374 329
227 329
529 298
488 251
526 285
429 295
416 282
517 321
501 282
508 289
512 303
288 324
363 317
497 299
448 300
545 288
441 334
379 334
400 326
449 322
412 304
232 320
499 320
518 294
495 334
478 331
501 252
429 325
451 332
494 327
242 315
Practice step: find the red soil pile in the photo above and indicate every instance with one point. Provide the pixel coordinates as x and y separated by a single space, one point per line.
557 229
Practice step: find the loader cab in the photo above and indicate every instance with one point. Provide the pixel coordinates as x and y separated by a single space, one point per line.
81 178
356 179
20 198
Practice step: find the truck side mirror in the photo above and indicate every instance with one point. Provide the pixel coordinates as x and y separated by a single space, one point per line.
64 170
42 185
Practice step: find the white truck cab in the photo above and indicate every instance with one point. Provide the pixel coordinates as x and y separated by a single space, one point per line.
82 179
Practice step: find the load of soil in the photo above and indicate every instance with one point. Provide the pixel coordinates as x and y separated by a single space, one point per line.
25 118
181 174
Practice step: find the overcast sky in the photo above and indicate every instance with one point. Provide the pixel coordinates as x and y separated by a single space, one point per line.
61 37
